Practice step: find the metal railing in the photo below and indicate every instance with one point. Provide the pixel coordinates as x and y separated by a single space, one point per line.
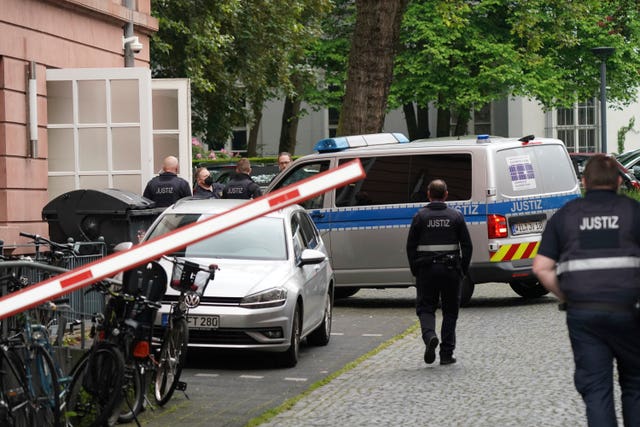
38 266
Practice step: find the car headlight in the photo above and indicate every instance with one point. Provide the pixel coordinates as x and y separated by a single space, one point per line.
269 298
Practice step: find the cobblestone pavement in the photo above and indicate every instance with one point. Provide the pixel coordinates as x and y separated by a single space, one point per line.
514 368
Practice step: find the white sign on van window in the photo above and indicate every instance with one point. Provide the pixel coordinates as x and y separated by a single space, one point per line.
521 172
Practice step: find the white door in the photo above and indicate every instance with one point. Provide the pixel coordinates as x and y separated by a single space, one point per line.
102 128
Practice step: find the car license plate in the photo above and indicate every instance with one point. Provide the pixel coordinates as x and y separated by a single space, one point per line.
196 322
527 227
203 322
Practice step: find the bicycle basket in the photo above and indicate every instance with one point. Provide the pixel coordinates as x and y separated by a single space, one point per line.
189 276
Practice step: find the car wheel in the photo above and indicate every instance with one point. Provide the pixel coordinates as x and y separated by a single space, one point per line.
528 289
321 335
345 292
289 358
466 291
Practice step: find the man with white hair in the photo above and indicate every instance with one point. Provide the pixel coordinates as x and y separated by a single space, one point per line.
167 188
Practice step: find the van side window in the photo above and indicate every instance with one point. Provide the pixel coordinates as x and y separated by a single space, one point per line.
300 172
404 179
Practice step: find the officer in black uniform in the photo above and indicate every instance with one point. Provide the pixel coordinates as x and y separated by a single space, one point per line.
439 250
241 186
167 188
205 188
589 257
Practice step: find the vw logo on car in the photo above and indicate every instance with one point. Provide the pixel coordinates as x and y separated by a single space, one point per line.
192 300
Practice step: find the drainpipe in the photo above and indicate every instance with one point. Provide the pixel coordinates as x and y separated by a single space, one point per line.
128 32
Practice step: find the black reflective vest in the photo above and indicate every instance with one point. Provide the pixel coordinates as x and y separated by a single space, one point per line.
241 186
600 253
438 230
166 189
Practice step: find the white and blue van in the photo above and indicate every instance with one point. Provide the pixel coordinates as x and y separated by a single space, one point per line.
506 188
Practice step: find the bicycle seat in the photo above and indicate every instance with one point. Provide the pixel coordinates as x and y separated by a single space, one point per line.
149 280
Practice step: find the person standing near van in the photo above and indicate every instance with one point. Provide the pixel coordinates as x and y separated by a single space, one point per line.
439 249
284 160
241 186
167 188
589 257
205 188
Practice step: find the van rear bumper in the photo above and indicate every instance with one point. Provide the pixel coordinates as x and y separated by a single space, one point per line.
502 271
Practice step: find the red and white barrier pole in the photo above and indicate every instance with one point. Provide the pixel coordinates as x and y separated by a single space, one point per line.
178 239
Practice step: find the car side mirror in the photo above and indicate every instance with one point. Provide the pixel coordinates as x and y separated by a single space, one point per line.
636 171
123 246
311 256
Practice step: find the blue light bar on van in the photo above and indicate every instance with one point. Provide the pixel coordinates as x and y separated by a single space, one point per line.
343 142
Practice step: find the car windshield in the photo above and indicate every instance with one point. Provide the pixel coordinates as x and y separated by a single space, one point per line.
260 239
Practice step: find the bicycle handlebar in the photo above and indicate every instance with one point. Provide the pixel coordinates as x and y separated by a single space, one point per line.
211 269
104 287
38 240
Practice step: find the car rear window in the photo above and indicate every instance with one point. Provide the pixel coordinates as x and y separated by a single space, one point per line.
535 169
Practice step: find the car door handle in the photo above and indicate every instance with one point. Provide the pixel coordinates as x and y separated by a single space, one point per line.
317 214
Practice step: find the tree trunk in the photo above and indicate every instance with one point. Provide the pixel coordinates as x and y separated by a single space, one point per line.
252 143
412 122
423 122
373 47
462 122
289 129
444 118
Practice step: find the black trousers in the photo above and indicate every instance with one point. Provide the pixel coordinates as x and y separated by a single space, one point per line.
598 338
436 282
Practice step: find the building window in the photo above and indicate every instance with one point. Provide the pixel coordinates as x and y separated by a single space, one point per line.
482 120
334 117
479 121
239 141
576 127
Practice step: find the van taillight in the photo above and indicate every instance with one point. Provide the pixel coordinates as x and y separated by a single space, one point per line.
497 226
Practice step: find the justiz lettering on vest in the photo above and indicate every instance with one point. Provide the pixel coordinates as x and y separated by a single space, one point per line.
437 223
599 223
164 190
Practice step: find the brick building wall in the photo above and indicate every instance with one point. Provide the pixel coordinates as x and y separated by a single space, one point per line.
52 34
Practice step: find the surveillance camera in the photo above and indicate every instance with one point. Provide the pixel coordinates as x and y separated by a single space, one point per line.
134 43
136 47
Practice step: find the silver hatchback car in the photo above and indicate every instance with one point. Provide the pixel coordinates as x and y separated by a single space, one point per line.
274 286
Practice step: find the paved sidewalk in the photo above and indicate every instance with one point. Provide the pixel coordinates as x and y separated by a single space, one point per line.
514 368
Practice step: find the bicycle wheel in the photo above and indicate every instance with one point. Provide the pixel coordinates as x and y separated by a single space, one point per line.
96 388
16 409
133 393
46 387
173 355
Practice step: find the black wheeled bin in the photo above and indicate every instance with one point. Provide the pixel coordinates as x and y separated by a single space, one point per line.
87 215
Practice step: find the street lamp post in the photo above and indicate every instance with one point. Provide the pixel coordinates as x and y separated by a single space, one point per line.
603 53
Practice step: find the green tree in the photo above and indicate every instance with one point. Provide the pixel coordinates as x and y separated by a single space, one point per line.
237 54
461 55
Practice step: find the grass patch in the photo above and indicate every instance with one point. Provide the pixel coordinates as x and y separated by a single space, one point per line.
289 403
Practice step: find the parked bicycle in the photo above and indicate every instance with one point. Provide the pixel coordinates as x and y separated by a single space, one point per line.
189 279
122 335
30 363
123 343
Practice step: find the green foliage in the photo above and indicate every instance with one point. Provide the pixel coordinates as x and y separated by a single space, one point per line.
237 54
622 133
329 53
269 160
470 53
454 53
